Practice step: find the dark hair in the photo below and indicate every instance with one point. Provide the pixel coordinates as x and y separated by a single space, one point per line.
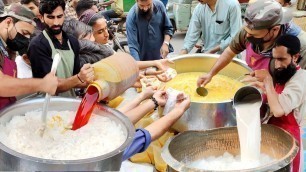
287 1
292 43
77 28
29 1
94 19
48 6
84 5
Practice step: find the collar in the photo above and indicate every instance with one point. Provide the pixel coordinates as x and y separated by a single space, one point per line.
54 39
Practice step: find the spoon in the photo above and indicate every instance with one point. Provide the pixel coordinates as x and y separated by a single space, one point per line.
202 91
56 60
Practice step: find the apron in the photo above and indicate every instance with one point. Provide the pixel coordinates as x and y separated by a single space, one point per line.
288 123
256 61
65 66
9 68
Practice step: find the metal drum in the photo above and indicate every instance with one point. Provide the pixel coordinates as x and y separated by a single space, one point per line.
194 145
14 161
204 116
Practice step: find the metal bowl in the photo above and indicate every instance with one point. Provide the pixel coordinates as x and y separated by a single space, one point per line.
194 145
15 161
207 115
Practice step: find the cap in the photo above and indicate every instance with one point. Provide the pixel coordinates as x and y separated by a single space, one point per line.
263 14
87 15
19 12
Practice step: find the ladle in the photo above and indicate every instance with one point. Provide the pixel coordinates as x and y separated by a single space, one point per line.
56 60
202 91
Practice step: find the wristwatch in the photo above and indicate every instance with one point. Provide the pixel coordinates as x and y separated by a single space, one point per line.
167 43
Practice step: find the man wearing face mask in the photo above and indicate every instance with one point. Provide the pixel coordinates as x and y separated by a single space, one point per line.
285 89
264 25
53 40
149 30
16 26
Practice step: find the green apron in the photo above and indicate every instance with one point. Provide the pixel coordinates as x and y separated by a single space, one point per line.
65 67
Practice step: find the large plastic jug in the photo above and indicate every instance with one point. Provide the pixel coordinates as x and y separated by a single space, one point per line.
114 74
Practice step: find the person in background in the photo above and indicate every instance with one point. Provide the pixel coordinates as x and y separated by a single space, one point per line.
84 5
284 86
33 6
263 26
53 40
17 25
70 12
115 11
216 22
149 30
284 3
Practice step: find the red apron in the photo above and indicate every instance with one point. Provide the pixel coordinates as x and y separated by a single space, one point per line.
256 61
9 68
288 123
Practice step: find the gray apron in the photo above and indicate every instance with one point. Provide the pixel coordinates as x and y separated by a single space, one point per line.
65 67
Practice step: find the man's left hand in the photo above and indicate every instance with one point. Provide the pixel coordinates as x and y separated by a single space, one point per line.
164 50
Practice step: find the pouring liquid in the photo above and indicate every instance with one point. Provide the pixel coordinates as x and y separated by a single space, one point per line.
249 130
86 107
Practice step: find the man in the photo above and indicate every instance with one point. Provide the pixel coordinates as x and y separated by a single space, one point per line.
287 98
149 30
263 26
52 41
70 12
17 25
115 11
33 6
84 5
218 21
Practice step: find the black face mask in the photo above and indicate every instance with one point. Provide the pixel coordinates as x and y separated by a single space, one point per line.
282 75
20 43
54 31
258 41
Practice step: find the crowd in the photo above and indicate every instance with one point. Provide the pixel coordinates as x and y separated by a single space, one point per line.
33 31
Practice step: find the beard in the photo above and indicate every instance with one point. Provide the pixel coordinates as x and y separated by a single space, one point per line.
52 29
283 75
146 14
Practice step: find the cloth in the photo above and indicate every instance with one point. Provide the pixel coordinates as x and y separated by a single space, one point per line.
23 69
217 27
108 14
117 6
8 67
141 141
39 25
165 2
145 38
70 12
240 43
19 12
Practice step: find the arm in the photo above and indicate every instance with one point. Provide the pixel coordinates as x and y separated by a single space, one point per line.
132 39
26 86
194 30
105 4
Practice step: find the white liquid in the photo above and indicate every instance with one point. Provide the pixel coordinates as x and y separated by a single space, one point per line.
249 130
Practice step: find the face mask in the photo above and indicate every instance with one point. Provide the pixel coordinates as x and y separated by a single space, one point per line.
258 41
54 31
20 43
282 75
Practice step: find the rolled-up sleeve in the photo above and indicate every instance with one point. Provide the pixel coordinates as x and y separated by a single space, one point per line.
140 143
131 29
194 29
235 25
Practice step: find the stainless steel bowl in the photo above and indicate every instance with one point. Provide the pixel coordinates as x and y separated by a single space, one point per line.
15 161
194 145
207 115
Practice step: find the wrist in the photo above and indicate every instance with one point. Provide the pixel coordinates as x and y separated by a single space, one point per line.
79 78
167 43
155 102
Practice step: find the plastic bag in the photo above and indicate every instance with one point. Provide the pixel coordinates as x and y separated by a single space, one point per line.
171 101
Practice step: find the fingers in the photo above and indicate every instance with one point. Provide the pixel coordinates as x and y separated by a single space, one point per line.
87 73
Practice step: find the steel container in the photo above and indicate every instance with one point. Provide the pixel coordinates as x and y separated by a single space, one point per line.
15 161
195 145
202 116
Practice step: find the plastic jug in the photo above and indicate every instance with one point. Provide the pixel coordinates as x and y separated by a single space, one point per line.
114 74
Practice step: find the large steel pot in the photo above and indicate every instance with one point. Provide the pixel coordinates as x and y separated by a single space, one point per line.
12 160
194 145
203 116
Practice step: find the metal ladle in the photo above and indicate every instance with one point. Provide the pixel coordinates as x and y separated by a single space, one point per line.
202 91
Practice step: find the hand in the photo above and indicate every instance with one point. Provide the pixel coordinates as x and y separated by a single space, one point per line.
183 52
163 77
261 74
182 102
161 98
164 50
50 83
86 73
163 64
204 79
148 92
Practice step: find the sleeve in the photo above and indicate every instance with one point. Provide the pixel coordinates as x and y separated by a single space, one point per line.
132 30
238 44
292 95
168 28
76 49
141 141
40 54
194 29
235 25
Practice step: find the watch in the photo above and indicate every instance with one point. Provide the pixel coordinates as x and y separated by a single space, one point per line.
167 43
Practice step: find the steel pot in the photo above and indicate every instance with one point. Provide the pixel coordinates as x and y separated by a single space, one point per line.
15 161
202 116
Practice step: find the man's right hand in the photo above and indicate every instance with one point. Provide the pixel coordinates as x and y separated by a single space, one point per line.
183 52
86 73
50 83
204 79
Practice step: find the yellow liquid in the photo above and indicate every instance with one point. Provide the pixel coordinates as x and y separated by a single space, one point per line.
221 88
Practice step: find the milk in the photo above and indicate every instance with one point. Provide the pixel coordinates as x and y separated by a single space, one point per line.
249 130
